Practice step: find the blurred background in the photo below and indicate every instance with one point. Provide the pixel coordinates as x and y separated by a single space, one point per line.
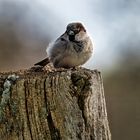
26 28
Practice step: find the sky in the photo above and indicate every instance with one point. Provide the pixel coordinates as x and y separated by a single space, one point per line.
113 25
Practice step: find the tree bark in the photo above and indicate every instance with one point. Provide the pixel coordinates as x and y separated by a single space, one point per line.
58 105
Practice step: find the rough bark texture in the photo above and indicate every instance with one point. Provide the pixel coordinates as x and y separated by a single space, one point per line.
59 105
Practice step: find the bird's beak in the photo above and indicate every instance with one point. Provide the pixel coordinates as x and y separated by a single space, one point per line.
71 33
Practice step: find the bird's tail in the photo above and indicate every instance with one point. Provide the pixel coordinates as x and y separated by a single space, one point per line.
44 62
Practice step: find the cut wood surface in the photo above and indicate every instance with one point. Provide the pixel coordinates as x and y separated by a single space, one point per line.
53 105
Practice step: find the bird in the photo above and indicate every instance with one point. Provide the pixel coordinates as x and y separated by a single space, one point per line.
73 48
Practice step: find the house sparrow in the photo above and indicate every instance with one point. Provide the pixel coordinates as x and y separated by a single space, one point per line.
71 49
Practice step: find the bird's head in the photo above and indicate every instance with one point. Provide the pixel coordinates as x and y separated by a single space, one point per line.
75 30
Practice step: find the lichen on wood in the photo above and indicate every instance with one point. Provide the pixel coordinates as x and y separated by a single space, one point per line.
57 105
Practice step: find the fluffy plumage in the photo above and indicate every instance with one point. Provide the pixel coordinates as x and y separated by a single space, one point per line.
71 49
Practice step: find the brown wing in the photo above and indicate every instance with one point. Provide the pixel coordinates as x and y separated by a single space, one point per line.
44 62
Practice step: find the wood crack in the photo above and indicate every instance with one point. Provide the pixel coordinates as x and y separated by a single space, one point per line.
54 132
27 111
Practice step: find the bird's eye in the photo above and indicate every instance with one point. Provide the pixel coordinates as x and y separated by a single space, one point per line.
68 28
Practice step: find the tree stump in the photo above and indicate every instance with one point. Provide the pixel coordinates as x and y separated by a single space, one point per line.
57 105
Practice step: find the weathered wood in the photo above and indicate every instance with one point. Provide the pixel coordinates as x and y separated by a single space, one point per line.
59 105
